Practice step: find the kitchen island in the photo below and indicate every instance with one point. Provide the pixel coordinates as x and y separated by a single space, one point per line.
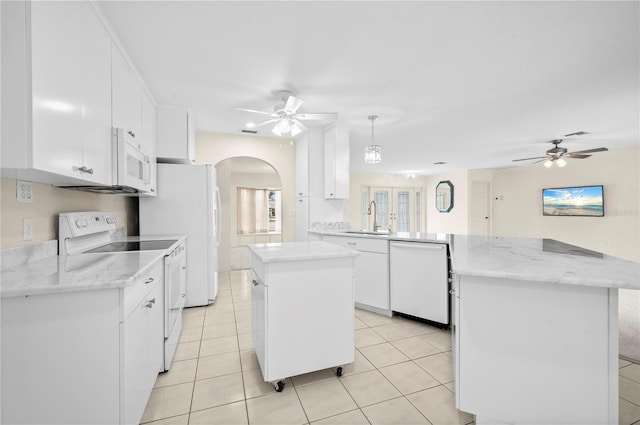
535 327
302 311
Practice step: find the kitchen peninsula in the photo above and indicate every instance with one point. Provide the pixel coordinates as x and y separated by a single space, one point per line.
535 328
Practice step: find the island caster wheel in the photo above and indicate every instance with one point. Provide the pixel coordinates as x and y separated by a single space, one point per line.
279 386
339 371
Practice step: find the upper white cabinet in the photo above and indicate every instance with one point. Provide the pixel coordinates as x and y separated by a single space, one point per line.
336 163
56 92
302 165
148 140
176 135
126 96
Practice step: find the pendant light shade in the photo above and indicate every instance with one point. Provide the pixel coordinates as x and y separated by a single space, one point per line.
372 152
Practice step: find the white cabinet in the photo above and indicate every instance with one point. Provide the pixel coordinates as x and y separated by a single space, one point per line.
302 218
82 357
149 141
372 271
176 135
336 163
142 351
56 92
419 280
302 165
126 97
302 314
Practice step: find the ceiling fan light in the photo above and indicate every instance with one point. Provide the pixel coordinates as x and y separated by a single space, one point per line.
561 162
548 163
276 130
372 154
295 130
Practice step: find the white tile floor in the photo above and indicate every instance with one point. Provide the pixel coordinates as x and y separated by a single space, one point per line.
402 374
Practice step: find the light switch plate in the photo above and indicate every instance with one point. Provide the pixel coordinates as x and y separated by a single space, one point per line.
27 229
24 192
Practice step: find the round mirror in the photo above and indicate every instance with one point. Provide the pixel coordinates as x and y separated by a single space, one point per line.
444 196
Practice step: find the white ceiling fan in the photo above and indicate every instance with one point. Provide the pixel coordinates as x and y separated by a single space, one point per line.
286 118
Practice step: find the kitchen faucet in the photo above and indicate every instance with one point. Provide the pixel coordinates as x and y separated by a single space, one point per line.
375 212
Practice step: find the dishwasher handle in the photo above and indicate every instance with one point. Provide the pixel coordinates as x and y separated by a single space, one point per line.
419 245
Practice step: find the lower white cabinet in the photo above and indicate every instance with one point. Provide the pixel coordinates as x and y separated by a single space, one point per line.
302 315
372 270
142 337
88 357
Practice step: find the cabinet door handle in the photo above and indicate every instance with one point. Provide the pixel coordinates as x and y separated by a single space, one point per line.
452 291
184 267
131 133
255 282
184 295
149 304
83 169
352 243
148 281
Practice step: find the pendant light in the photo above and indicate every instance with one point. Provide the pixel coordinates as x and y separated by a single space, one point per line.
372 152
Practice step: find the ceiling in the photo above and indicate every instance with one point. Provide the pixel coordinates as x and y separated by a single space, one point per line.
473 84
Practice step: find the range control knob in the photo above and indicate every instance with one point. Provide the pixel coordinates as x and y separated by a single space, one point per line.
81 222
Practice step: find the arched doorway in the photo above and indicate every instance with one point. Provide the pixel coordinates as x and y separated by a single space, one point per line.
251 207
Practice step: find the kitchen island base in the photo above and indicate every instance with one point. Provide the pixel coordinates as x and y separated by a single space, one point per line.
302 315
535 352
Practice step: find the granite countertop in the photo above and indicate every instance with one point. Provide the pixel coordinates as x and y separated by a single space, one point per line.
299 251
82 272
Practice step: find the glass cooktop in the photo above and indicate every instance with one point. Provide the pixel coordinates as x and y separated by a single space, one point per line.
134 246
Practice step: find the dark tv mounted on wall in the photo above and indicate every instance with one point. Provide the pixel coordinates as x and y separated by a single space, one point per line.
579 201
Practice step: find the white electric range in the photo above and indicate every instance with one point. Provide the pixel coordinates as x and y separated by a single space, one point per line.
91 232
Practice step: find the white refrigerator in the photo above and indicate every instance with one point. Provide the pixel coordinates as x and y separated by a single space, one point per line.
187 203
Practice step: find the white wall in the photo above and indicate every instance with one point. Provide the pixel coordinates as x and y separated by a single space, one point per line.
214 148
456 220
518 211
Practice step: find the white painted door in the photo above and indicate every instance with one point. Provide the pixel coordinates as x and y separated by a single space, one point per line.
479 218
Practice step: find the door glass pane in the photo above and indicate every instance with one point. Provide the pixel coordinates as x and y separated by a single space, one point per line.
418 227
403 222
382 208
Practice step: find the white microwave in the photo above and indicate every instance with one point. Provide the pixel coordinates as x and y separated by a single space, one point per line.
131 168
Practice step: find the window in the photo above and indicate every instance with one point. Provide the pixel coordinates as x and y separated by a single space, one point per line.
259 210
398 209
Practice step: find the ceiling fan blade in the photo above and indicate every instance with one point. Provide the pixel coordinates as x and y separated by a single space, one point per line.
590 151
573 155
324 116
266 122
293 104
254 111
527 159
577 133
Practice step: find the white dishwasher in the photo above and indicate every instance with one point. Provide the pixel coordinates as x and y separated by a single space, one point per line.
419 280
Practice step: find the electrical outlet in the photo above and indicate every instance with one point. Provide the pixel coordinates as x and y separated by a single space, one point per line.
24 192
27 229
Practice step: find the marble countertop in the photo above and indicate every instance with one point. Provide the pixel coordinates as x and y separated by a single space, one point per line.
82 272
542 260
299 251
534 259
399 236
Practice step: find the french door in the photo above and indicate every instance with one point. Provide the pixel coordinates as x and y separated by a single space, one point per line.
397 209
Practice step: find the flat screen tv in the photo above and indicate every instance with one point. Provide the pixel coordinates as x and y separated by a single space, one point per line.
581 201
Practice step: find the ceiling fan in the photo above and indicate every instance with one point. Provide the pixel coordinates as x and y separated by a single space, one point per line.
286 118
557 154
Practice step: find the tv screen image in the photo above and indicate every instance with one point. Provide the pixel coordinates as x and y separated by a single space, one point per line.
584 201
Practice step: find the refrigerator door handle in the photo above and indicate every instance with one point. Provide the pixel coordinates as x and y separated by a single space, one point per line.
218 222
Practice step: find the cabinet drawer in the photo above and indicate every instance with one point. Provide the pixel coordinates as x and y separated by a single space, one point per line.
132 295
360 244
